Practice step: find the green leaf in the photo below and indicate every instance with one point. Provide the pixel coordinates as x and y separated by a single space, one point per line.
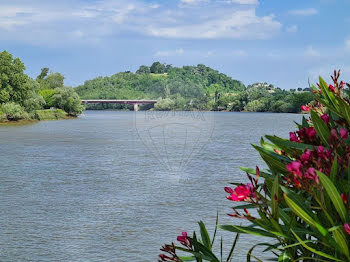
340 238
304 122
320 253
204 235
284 257
286 144
334 170
229 258
344 109
273 160
252 171
300 212
187 258
333 194
321 128
247 230
274 196
216 227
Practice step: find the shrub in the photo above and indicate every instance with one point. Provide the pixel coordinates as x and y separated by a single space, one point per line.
67 99
2 116
48 94
164 104
14 111
301 202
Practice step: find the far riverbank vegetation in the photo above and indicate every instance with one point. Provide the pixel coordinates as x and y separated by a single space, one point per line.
192 88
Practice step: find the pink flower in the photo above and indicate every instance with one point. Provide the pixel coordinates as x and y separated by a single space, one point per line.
310 132
325 118
332 88
343 134
347 228
305 156
305 108
311 174
344 197
320 149
294 168
293 137
342 84
183 239
242 192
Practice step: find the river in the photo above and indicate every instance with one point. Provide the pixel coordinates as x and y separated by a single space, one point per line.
100 188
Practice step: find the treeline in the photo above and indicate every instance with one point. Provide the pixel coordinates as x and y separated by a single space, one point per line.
192 88
22 97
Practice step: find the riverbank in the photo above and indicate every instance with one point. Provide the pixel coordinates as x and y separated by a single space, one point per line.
40 115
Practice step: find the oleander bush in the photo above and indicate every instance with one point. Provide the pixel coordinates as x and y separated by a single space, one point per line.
301 202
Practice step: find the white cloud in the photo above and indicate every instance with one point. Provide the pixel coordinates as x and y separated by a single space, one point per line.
168 53
311 52
292 29
193 2
238 24
304 12
347 43
66 23
245 2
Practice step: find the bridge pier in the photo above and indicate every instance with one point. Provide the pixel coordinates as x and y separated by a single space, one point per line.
136 107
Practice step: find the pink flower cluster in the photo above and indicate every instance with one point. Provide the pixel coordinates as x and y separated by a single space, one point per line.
342 134
305 166
241 193
306 134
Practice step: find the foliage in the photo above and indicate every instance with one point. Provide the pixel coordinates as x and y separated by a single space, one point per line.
194 87
14 86
47 95
143 70
14 111
301 202
50 81
67 99
165 104
196 249
21 96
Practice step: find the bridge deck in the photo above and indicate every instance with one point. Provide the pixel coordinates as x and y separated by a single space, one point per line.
115 101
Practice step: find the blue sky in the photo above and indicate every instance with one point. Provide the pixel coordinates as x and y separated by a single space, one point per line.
277 41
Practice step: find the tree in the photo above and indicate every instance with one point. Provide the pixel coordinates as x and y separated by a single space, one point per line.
43 73
51 81
143 70
68 100
14 85
47 95
157 68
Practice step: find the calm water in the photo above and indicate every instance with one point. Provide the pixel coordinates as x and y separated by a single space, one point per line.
89 189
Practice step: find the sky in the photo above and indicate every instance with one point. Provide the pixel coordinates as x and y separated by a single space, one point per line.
285 43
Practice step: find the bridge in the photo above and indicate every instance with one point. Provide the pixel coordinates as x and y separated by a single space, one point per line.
135 103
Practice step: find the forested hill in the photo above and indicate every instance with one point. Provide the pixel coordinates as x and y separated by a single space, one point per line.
190 88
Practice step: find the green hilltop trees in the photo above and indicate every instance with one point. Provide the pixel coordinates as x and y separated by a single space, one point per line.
192 88
21 97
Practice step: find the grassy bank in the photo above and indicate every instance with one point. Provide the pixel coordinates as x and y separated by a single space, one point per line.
45 114
51 114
